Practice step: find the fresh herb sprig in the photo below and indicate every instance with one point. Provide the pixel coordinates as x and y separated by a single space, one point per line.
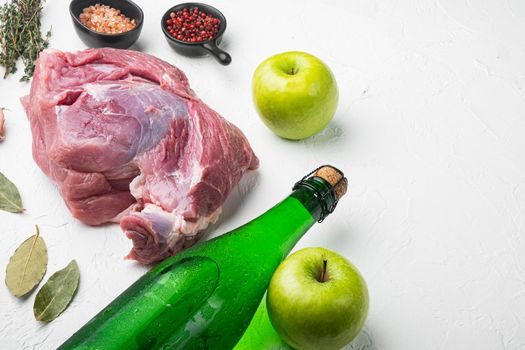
20 35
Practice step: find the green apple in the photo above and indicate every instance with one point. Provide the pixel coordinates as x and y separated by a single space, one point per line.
317 300
295 94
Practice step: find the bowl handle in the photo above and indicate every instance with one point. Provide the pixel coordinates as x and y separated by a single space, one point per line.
223 57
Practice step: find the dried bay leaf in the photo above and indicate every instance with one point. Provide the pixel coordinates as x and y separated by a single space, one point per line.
56 294
9 196
27 266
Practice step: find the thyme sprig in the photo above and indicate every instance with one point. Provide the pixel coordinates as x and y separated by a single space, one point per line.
20 35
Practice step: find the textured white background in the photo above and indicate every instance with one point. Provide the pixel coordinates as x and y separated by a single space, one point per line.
430 131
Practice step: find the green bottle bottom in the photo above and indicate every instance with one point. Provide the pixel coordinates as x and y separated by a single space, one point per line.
182 289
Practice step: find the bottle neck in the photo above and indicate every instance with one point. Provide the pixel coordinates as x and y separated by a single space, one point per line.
317 196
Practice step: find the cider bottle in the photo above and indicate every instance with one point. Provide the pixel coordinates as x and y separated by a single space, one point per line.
204 297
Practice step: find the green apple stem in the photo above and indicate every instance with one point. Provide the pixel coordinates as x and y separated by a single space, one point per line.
323 272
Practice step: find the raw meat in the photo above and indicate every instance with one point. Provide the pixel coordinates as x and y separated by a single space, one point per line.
127 140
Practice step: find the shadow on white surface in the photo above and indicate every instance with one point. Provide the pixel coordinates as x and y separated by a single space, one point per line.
362 342
225 43
331 134
137 46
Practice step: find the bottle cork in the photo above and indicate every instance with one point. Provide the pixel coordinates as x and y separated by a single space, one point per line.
335 178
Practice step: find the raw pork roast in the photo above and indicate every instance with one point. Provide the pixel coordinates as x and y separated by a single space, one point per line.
128 141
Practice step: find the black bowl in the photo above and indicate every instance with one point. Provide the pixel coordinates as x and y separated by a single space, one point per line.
96 39
202 47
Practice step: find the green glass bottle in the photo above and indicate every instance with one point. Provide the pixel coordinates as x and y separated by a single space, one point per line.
205 296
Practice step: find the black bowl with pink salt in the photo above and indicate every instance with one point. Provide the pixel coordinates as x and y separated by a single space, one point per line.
107 23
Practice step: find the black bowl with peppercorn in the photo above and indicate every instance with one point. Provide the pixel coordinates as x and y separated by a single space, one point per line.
195 29
107 23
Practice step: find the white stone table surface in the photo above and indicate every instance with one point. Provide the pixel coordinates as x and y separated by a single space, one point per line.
430 131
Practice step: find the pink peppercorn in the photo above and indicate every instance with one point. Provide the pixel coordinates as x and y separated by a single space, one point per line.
192 25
